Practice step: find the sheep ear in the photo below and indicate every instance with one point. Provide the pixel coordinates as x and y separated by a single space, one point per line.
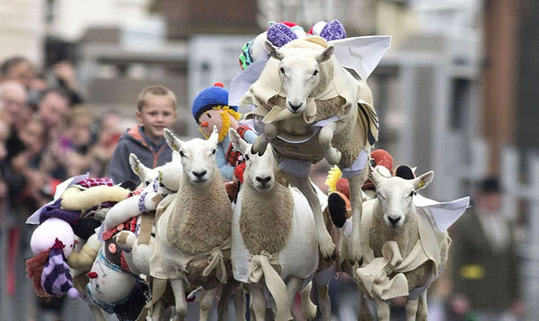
325 55
273 52
174 142
423 181
136 165
374 176
214 137
175 156
238 143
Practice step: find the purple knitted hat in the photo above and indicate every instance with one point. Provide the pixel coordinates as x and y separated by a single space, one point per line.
333 30
55 278
280 34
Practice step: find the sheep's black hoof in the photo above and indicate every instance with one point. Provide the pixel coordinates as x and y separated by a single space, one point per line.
337 209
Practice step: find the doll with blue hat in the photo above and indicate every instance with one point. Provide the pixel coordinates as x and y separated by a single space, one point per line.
211 108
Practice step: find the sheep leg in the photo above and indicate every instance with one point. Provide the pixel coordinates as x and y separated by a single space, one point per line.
332 155
411 309
156 311
422 310
307 305
258 303
206 302
324 302
227 290
364 312
222 303
260 144
239 303
382 310
293 286
179 300
356 201
325 243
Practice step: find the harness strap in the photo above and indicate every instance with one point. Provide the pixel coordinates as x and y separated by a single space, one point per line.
145 233
261 266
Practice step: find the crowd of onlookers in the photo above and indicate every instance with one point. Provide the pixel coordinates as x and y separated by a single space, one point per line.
47 134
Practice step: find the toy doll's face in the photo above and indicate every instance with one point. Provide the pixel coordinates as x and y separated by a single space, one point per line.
209 119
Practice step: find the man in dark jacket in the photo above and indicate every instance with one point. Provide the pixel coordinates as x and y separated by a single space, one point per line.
484 258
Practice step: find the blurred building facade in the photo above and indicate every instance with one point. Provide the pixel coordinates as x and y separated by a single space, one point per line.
26 38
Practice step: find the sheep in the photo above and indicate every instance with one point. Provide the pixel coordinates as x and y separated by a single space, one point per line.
403 250
313 108
272 230
194 230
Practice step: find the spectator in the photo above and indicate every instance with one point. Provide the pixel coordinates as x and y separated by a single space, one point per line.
53 107
65 78
77 141
101 153
485 266
19 69
13 100
156 110
53 110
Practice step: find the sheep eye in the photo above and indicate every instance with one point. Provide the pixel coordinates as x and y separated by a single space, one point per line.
182 154
147 182
315 73
412 193
281 70
213 151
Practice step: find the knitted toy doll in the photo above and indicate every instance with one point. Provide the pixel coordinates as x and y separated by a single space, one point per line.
281 33
77 202
210 108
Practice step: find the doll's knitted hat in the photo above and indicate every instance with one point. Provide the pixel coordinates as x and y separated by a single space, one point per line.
56 279
333 30
210 97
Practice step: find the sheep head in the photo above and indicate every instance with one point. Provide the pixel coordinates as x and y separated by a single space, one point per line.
197 156
395 194
259 167
300 73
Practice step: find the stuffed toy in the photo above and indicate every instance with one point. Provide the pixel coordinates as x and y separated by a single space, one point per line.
211 109
281 33
70 216
278 34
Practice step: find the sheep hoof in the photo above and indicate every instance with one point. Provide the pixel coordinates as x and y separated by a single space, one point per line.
333 156
327 248
310 313
260 145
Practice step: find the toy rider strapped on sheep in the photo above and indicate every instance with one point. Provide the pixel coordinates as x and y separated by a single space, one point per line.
310 99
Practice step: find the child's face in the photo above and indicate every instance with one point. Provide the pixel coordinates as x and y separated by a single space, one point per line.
156 115
208 119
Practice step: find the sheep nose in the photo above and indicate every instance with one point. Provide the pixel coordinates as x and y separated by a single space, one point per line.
295 107
263 180
200 174
394 219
